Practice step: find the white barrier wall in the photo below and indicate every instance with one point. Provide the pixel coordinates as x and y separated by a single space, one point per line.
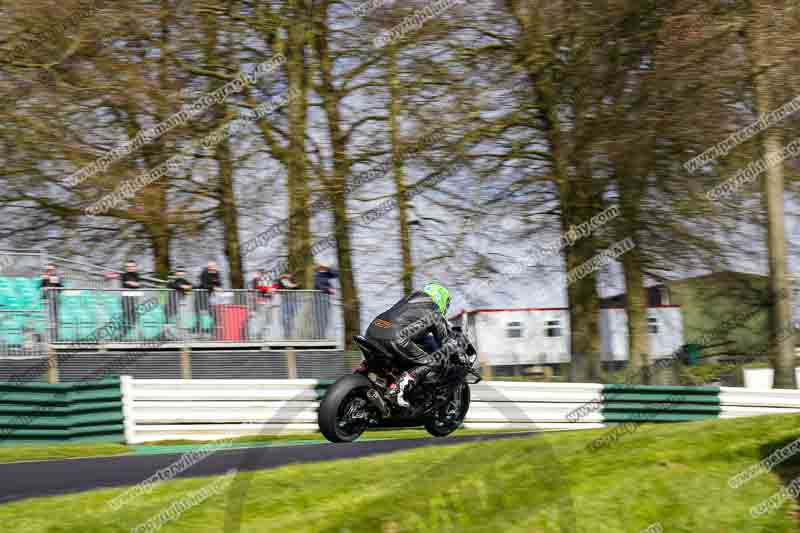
167 409
509 404
214 409
737 401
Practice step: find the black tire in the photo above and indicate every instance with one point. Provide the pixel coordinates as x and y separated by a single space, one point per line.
341 392
437 429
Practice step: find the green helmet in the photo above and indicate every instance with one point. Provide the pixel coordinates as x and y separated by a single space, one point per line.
440 295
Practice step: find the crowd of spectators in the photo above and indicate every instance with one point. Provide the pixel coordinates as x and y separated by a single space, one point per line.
206 299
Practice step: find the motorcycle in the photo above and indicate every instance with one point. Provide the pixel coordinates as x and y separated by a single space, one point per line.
366 398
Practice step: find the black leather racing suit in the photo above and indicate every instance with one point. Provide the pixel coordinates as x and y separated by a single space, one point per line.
401 329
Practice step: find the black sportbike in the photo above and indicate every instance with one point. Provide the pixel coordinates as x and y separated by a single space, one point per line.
366 399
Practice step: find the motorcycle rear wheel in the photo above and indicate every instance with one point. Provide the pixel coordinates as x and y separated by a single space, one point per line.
345 399
449 418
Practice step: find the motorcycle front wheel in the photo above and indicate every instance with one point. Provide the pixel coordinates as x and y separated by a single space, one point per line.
450 416
344 412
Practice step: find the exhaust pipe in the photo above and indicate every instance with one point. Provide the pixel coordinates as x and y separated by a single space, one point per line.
377 401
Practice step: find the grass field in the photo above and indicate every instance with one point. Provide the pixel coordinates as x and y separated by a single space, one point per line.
674 475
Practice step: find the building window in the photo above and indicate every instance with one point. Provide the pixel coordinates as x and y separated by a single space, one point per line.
658 295
552 328
665 296
652 325
514 330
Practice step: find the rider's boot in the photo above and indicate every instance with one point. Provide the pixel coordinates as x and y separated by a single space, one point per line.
403 384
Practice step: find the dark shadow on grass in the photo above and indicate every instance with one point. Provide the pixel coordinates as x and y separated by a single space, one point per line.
789 468
771 447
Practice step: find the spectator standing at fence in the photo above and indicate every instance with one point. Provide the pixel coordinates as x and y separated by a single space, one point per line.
51 280
130 281
289 303
322 300
263 288
209 278
262 284
179 287
210 282
287 283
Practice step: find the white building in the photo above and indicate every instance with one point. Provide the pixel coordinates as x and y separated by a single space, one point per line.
540 336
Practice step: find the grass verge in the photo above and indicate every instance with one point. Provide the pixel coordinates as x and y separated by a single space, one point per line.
673 475
41 452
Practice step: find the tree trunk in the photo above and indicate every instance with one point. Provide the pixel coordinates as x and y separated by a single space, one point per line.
399 170
228 214
351 309
301 264
636 311
578 201
583 302
631 184
160 239
576 206
781 345
225 190
158 219
336 187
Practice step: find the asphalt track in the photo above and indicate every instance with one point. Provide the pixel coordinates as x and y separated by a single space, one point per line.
19 481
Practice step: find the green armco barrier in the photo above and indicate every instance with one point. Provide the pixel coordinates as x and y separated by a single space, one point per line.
65 412
645 403
649 389
714 400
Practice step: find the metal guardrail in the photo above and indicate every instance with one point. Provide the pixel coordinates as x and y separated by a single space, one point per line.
23 333
103 316
68 318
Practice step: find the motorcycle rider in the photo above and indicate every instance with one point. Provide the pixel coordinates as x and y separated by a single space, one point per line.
407 328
